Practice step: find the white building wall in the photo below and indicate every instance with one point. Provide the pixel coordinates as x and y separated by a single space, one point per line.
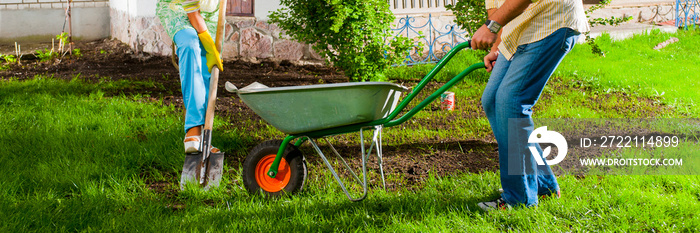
49 4
41 20
263 8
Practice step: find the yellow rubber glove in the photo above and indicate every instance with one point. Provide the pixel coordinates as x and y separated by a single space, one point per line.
213 55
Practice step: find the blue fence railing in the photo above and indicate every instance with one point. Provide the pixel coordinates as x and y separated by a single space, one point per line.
687 13
428 37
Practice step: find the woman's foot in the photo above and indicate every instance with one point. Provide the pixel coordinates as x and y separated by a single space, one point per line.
193 141
192 144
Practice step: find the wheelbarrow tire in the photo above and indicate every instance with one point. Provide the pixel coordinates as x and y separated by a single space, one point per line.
290 177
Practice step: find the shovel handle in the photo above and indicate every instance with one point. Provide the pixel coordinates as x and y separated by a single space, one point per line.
214 80
211 102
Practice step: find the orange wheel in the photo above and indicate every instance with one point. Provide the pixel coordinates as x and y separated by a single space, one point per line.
291 172
268 183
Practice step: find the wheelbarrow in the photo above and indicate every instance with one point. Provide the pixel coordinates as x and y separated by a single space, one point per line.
309 113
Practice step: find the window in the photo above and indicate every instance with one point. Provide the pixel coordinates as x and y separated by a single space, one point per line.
240 7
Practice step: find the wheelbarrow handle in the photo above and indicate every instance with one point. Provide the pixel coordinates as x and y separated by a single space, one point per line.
389 121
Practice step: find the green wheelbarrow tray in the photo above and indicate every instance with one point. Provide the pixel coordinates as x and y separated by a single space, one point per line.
317 111
301 109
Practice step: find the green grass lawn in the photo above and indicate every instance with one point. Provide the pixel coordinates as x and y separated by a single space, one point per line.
77 160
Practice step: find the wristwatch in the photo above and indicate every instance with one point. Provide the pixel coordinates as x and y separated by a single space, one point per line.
493 26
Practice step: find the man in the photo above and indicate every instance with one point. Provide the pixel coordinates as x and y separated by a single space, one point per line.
535 37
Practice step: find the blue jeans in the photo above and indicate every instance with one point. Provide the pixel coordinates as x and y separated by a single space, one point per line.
511 92
194 76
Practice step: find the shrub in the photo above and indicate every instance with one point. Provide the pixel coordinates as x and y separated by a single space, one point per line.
351 34
469 14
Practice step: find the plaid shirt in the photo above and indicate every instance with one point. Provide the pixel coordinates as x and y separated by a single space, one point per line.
540 19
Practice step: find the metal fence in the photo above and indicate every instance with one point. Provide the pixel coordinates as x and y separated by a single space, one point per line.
431 42
418 6
687 13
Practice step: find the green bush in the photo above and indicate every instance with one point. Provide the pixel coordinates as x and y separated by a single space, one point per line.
469 14
351 34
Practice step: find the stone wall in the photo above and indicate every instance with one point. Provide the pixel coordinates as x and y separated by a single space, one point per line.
246 38
142 33
251 38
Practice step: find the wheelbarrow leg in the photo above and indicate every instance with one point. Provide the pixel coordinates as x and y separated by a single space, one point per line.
378 130
343 160
377 141
365 155
337 178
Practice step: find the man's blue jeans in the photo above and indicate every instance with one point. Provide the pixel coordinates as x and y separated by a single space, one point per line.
511 92
194 76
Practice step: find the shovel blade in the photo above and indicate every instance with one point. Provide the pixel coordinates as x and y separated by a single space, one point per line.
215 168
191 170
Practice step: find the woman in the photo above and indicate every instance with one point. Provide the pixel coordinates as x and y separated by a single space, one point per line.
190 24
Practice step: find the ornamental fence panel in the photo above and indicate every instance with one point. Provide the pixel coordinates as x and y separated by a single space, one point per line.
687 13
432 39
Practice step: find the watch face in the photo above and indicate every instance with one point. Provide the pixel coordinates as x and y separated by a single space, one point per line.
493 26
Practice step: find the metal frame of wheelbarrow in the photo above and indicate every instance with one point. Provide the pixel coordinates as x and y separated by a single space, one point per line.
377 125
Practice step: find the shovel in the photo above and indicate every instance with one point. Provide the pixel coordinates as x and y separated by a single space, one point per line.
205 168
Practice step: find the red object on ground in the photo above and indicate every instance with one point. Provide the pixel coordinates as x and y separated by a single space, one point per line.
447 100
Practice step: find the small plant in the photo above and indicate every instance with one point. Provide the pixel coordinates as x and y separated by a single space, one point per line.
62 41
352 34
51 54
76 53
45 55
9 58
469 14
